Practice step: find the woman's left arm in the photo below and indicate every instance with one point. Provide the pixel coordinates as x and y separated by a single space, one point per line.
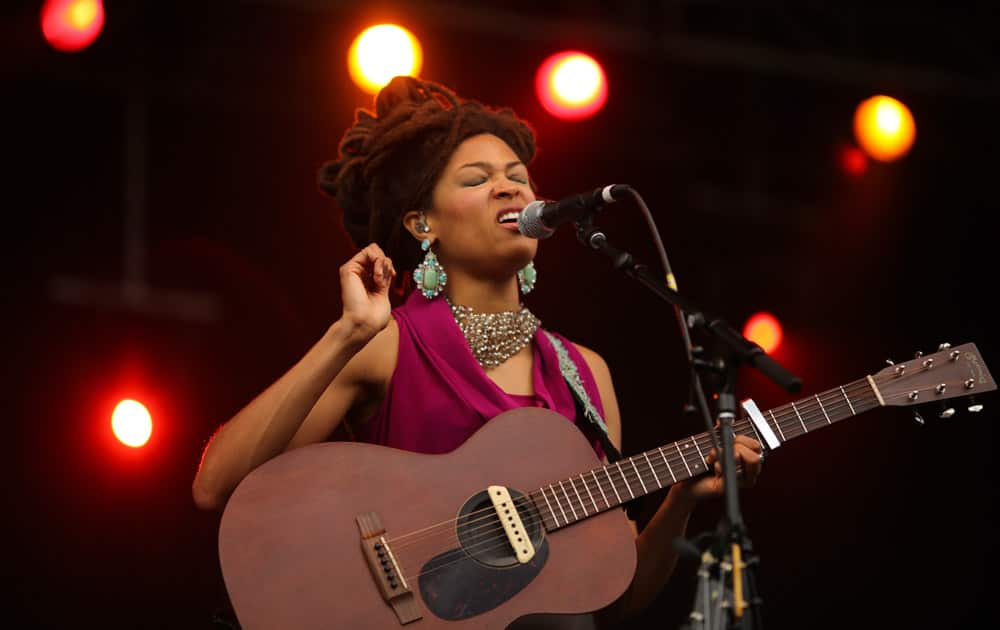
654 545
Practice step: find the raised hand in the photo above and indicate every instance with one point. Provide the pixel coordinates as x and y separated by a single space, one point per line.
364 282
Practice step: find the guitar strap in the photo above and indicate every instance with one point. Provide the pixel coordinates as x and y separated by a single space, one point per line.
584 408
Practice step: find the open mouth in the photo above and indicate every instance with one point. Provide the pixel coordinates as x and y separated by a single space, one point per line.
508 217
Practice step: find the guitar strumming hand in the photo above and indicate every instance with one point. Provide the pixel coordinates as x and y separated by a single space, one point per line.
300 538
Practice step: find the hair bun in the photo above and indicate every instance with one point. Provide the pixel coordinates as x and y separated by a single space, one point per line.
401 91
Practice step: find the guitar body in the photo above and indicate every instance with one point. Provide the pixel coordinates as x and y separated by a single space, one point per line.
291 551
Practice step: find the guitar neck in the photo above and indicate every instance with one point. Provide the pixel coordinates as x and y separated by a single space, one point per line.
570 500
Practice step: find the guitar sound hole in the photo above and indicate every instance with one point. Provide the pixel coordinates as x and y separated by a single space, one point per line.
482 536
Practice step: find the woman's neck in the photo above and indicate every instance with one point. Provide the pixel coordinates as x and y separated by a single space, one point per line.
483 296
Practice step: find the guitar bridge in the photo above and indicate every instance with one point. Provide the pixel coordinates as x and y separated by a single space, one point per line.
385 569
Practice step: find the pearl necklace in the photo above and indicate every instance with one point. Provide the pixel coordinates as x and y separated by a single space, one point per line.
495 337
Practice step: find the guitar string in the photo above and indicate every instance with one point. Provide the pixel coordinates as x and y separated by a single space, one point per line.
473 536
496 528
742 424
629 478
790 423
488 514
810 417
460 553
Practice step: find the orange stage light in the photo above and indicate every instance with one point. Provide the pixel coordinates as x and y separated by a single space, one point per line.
884 128
571 85
72 25
382 52
763 329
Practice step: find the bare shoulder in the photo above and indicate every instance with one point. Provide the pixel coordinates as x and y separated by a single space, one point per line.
598 366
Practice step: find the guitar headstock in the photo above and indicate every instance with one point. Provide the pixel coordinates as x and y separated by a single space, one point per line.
951 372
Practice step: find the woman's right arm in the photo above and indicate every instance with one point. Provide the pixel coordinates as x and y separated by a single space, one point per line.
309 401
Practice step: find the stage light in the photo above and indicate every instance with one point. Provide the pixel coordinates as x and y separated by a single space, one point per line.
131 423
571 85
884 128
763 329
852 160
382 52
72 25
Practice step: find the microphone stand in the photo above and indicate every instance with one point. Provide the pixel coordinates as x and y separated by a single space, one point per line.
714 597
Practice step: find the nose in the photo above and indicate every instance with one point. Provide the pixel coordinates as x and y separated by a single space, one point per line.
506 190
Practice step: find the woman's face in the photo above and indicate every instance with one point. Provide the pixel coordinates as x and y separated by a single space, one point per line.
475 205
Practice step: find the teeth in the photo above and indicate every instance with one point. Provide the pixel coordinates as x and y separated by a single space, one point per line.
508 216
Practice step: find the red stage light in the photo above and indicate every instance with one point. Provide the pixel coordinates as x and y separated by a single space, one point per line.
571 85
72 25
131 423
853 160
764 330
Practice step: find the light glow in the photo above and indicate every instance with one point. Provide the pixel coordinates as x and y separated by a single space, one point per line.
131 423
72 25
382 52
884 128
763 329
571 85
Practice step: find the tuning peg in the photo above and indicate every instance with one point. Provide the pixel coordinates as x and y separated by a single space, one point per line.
946 412
974 407
918 418
944 346
918 354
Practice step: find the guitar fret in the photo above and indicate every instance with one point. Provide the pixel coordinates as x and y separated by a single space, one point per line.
612 481
559 503
700 454
778 425
598 482
622 473
569 502
653 470
587 486
669 469
641 482
555 519
755 434
690 474
583 506
800 418
823 409
853 413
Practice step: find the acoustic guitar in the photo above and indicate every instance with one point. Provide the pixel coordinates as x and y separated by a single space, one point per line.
351 535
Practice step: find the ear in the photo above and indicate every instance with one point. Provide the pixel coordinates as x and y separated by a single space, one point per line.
412 222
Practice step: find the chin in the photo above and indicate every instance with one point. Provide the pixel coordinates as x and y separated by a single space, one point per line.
524 252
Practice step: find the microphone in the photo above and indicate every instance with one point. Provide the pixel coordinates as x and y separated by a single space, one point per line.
539 219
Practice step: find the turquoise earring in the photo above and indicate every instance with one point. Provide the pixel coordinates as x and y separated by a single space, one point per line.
527 277
429 276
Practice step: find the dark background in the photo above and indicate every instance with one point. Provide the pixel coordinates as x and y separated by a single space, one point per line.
179 152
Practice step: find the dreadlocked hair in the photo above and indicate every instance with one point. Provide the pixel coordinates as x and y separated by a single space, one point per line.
389 160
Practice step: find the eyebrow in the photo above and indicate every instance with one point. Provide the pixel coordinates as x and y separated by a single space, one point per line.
486 166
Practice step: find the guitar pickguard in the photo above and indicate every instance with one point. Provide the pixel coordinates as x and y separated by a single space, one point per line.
458 589
484 572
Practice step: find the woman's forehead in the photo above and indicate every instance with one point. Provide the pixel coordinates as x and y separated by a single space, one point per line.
484 147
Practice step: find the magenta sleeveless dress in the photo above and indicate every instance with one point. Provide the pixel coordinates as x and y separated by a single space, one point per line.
439 395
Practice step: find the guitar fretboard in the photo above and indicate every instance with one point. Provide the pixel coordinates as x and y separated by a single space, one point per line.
565 502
